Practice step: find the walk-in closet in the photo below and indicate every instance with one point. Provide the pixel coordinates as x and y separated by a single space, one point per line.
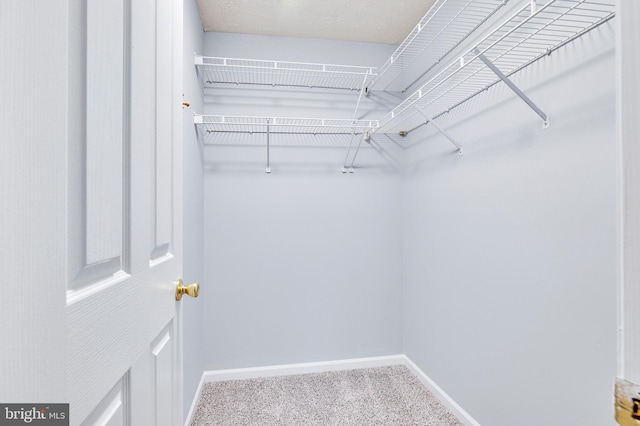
450 198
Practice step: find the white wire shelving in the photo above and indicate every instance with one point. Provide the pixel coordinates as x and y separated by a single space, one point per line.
446 25
533 31
211 124
235 72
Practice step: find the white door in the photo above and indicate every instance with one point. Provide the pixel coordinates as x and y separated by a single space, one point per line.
124 212
628 53
90 141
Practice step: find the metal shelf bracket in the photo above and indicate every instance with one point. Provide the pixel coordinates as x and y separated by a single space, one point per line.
516 89
441 130
345 168
268 169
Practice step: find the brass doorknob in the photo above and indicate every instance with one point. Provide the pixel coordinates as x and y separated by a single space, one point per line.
191 289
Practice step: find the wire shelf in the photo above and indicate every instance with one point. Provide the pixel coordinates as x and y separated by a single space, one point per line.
208 124
446 25
234 72
523 38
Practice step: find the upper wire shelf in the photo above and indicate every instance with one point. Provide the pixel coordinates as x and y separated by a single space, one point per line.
234 72
532 32
209 124
446 25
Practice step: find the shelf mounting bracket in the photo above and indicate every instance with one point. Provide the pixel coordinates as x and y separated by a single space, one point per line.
365 137
268 170
346 158
516 89
441 130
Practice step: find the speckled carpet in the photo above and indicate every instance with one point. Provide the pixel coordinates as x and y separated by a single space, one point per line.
370 396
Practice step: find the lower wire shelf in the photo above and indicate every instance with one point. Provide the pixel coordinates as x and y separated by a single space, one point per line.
208 124
268 126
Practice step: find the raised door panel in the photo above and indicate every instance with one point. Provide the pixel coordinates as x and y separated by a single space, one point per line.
163 352
163 213
106 133
99 147
113 410
153 381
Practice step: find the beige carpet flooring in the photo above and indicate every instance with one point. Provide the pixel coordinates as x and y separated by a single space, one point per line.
371 396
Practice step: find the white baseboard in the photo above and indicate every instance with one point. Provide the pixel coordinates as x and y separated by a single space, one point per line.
194 403
445 399
338 365
305 368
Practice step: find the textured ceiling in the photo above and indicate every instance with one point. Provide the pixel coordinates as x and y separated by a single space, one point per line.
374 21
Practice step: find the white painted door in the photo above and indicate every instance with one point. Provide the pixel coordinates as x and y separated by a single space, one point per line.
90 207
124 212
628 55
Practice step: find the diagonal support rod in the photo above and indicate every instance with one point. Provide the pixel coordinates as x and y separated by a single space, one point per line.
353 160
346 158
441 130
268 170
516 90
355 114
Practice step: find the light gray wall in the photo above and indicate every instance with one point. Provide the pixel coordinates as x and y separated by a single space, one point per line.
506 254
303 264
193 267
296 49
509 251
